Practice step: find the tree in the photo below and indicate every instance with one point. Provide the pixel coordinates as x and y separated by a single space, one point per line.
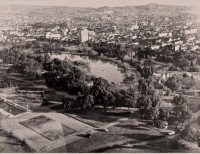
181 60
65 75
101 90
148 101
88 102
179 101
164 113
85 102
146 72
120 51
68 103
181 109
173 83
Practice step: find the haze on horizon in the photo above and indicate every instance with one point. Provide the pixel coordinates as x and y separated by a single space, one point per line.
99 3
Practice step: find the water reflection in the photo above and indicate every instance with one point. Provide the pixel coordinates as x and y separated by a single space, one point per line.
99 68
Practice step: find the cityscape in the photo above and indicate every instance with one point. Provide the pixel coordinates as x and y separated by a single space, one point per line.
103 77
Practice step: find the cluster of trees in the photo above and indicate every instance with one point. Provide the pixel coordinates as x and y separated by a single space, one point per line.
181 111
50 46
120 51
82 102
145 52
186 60
166 54
148 100
10 55
183 60
66 75
104 94
44 46
24 62
177 82
113 50
173 83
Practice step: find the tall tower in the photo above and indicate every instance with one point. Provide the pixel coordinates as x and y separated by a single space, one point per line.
83 35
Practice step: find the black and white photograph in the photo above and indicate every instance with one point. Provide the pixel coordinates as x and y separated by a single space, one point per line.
99 76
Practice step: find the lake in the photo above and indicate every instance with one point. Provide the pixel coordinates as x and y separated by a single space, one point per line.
98 67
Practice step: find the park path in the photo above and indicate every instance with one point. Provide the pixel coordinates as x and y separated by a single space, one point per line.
110 124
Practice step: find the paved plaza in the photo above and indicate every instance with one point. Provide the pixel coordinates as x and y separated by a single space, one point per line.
47 136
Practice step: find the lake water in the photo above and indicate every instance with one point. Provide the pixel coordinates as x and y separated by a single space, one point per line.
99 68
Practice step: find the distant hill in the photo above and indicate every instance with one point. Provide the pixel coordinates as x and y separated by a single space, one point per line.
62 13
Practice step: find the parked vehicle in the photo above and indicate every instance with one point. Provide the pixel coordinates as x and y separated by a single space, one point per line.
167 132
171 133
102 129
123 119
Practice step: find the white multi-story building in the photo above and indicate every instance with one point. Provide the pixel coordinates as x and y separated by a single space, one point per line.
134 27
155 47
83 35
165 34
191 31
50 35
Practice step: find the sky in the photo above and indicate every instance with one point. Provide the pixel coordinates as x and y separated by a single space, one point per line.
98 3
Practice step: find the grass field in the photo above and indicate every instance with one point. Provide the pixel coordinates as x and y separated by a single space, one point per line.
129 131
94 118
130 136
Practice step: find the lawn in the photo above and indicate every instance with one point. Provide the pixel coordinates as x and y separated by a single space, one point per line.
130 136
130 131
94 118
47 127
168 144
